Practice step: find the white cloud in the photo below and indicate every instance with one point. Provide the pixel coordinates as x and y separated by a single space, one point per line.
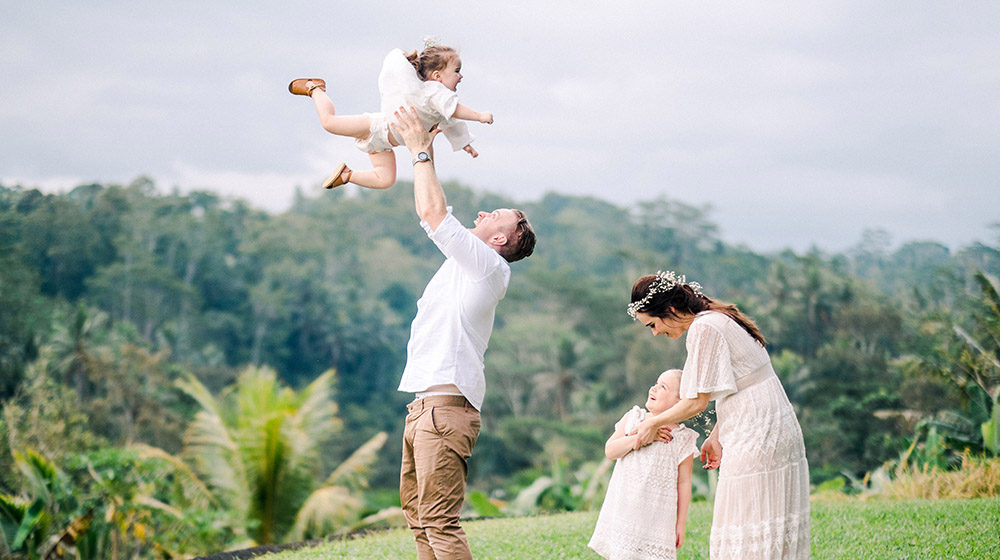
802 124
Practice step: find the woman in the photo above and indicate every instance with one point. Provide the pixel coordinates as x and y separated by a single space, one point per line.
762 500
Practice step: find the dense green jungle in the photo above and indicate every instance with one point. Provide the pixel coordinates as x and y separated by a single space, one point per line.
181 374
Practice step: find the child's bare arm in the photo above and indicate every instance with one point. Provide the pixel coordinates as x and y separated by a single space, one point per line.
468 114
683 497
619 444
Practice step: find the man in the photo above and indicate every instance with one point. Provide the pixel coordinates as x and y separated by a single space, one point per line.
444 362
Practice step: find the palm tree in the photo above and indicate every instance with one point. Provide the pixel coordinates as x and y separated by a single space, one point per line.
969 358
980 359
256 449
73 340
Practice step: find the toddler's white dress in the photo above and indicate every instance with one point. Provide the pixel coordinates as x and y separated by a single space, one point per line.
762 500
639 515
400 86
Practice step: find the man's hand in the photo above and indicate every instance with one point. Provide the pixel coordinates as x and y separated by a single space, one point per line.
486 117
471 151
408 129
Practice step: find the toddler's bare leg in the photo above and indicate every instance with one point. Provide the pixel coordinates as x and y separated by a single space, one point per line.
355 126
381 176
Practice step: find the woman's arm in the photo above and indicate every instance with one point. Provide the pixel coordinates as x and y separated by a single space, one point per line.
684 409
711 450
683 497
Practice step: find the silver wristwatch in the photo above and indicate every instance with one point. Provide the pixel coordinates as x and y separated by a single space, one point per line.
422 156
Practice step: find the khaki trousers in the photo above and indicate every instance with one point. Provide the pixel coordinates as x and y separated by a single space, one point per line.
438 438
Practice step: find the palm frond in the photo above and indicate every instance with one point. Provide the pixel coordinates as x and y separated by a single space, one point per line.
391 517
314 421
194 488
326 510
317 415
41 474
65 540
211 447
351 472
197 391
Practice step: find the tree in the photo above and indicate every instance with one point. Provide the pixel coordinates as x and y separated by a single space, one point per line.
256 447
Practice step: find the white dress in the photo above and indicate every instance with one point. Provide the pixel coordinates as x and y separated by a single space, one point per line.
400 86
639 515
762 500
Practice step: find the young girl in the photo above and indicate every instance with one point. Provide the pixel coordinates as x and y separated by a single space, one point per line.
645 509
426 82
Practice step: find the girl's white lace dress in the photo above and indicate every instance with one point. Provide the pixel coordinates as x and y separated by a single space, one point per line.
762 500
639 514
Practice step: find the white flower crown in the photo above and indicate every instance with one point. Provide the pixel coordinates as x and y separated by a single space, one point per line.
431 41
664 282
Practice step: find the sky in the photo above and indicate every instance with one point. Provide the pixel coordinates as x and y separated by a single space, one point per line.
797 124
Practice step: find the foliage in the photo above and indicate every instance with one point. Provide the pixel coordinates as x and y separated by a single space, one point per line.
254 451
109 294
975 477
107 504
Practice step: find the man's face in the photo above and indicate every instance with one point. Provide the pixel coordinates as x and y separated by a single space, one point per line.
489 224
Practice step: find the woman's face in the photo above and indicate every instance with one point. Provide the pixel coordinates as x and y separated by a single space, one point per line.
672 327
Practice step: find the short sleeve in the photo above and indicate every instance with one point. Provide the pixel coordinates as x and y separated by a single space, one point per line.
441 99
688 445
709 367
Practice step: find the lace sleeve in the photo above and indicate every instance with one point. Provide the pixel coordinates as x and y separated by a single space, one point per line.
631 419
688 445
709 367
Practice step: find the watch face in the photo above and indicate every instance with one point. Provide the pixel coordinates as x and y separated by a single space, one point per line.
423 156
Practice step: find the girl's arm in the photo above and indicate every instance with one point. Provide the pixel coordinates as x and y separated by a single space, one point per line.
468 114
619 444
684 409
683 497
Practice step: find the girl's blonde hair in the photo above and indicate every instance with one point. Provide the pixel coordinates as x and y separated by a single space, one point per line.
674 374
434 57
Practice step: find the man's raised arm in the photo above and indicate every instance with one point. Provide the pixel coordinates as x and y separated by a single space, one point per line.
428 196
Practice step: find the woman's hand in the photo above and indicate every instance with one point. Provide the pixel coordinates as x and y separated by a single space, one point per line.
711 453
645 433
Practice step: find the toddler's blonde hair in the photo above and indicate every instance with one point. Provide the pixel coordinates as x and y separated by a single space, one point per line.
675 374
434 57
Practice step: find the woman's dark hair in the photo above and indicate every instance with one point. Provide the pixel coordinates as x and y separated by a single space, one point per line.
682 298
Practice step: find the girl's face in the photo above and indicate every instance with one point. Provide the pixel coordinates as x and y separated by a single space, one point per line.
663 395
450 75
672 327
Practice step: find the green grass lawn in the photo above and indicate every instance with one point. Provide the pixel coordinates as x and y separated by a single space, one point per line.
847 529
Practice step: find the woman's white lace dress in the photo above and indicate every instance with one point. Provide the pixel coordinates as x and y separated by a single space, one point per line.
762 500
639 514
